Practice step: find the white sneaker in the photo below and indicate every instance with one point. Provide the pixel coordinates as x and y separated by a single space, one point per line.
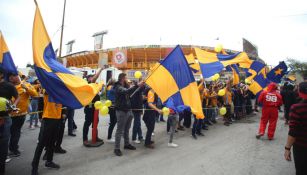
8 159
137 141
32 127
110 140
173 145
153 134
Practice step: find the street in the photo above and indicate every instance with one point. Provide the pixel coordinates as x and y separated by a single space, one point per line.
232 150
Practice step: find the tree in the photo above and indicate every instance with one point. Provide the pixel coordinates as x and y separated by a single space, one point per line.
297 66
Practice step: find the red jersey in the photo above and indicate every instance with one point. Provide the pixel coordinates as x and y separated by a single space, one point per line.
270 98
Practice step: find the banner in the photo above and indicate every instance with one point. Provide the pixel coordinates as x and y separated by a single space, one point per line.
119 59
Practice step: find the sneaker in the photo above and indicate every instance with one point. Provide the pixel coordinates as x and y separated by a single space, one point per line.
8 159
85 143
31 127
60 150
137 141
153 134
72 134
258 136
37 126
129 147
110 140
14 153
173 145
180 128
194 136
200 134
118 152
52 165
226 123
150 146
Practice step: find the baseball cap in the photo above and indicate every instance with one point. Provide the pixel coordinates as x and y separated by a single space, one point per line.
302 89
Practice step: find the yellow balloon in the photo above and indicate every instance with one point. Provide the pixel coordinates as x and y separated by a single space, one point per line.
98 105
221 92
3 104
104 110
165 111
217 76
223 111
218 48
108 103
137 74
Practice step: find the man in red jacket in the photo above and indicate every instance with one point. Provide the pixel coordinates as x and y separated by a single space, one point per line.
270 100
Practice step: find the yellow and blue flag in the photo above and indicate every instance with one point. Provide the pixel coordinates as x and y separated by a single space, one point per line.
173 79
193 63
258 84
6 60
62 86
253 69
212 63
235 72
278 72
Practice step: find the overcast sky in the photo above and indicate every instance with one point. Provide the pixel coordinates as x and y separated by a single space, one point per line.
277 27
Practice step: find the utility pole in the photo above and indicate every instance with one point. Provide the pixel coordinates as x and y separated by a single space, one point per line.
62 29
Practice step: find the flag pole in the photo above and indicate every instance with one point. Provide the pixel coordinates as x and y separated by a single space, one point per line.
35 2
62 30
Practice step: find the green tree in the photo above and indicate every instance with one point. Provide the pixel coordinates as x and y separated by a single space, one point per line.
297 66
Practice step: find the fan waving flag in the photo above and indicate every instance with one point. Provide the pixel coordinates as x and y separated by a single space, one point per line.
6 60
258 84
174 79
212 63
62 86
235 72
278 72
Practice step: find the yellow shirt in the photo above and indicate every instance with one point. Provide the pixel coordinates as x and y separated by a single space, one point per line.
213 99
228 96
51 110
150 96
24 96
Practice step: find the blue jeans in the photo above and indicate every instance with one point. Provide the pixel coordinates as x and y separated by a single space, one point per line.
34 105
197 125
5 134
137 131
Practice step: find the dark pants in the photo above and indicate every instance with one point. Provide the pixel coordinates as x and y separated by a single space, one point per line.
300 159
137 131
61 129
89 116
4 142
113 121
40 106
149 119
17 123
70 119
47 136
197 126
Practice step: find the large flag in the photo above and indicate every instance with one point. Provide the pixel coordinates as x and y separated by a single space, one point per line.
212 63
278 72
173 79
253 69
235 72
258 84
62 86
193 63
6 60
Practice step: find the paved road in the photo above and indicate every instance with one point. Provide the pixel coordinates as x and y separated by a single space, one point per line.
223 151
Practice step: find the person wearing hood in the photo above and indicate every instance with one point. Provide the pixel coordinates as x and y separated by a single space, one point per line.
289 98
271 100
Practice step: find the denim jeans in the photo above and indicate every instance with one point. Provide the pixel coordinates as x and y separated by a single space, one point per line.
197 125
137 131
34 107
4 142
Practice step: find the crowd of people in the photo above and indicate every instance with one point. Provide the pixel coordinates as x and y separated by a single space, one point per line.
132 102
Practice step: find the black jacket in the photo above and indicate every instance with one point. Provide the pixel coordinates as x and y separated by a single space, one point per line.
137 100
122 96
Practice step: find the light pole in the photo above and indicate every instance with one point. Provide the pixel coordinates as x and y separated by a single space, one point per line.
98 39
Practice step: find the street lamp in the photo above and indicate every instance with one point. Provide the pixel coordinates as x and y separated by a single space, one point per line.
98 39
